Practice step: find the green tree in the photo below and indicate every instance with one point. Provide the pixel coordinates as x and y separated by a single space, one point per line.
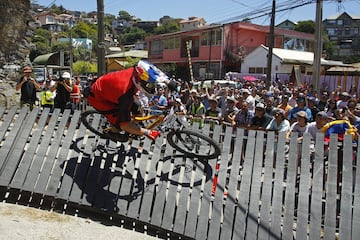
133 35
307 26
125 15
167 27
83 67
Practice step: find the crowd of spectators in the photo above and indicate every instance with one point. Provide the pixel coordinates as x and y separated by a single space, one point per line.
285 107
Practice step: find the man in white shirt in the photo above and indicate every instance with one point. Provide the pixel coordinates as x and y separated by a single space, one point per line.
315 127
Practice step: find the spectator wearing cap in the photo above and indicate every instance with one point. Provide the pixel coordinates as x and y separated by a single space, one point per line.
63 89
231 110
344 97
213 112
28 87
311 103
315 127
299 126
323 100
300 106
279 123
261 119
249 99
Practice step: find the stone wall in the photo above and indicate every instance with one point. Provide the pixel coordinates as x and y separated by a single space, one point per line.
15 42
15 16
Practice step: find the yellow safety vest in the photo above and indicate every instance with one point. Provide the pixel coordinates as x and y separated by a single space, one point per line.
46 94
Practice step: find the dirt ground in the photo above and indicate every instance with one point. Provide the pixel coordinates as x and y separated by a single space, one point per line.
20 222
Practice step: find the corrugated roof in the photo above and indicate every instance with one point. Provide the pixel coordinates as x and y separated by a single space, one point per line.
294 56
131 53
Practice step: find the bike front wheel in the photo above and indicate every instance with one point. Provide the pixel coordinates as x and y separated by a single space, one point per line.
193 144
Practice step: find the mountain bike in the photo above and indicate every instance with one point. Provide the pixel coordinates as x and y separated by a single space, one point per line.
189 142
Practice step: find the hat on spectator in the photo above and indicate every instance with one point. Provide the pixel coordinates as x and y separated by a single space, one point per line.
178 100
231 99
66 75
280 111
311 99
27 69
260 105
345 94
193 91
212 99
245 90
322 114
301 97
301 114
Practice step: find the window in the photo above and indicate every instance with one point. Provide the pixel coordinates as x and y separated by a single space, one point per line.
156 47
331 22
340 22
347 31
331 31
212 37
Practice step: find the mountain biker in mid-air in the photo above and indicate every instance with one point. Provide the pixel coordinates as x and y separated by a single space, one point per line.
115 92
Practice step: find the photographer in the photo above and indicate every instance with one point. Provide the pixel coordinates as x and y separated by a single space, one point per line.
28 87
63 89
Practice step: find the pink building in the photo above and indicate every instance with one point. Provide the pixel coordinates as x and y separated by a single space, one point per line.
217 49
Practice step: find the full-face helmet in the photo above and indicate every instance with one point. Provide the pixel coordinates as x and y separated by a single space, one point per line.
149 76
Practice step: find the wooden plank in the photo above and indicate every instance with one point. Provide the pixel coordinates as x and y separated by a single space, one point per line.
346 188
40 156
267 186
206 199
50 161
103 197
220 187
317 189
82 166
355 230
64 152
69 163
160 186
138 178
195 193
303 198
277 199
186 170
150 184
13 136
20 175
252 220
331 188
91 184
14 156
127 178
289 204
243 201
170 201
231 197
5 124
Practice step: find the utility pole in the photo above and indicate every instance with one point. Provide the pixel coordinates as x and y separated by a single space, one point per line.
101 44
318 46
271 46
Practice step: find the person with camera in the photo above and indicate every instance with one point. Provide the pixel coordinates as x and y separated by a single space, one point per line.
28 87
63 89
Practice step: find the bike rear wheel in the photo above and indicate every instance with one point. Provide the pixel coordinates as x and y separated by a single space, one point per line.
193 144
95 122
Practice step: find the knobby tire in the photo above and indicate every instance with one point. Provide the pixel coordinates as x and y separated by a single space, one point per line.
179 139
